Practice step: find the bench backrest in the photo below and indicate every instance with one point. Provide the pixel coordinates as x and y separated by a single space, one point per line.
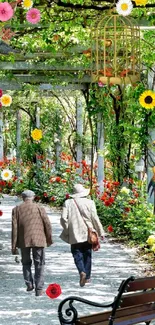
139 291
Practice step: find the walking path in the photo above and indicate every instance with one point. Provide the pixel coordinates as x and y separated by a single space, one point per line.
110 265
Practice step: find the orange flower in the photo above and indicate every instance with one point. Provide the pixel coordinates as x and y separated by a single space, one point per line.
68 170
63 181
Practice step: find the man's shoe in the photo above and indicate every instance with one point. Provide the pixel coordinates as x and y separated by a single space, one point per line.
30 288
39 293
82 279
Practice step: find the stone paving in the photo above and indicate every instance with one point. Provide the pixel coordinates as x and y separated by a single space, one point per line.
111 264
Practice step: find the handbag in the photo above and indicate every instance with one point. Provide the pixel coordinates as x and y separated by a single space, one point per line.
92 234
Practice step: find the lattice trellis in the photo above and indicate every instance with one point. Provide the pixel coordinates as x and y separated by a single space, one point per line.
116 50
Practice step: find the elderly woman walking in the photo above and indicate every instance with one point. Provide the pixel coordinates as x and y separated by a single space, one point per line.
79 214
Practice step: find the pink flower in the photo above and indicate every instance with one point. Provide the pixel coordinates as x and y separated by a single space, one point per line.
1 92
6 11
33 16
100 84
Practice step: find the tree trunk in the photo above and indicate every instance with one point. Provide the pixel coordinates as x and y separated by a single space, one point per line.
79 133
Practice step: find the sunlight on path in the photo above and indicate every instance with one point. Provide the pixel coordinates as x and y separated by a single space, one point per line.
110 265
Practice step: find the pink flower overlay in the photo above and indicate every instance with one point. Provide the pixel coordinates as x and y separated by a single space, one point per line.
33 16
6 11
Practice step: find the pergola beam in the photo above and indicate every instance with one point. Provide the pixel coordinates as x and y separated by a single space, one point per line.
29 66
37 79
19 86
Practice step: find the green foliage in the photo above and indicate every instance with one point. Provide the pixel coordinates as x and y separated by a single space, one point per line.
130 216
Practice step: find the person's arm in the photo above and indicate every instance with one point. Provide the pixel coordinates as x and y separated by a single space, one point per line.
14 232
64 217
96 221
47 226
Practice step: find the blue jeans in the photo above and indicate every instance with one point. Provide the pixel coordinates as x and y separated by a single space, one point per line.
38 254
82 254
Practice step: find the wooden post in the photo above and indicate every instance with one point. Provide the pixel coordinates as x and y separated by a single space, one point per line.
100 156
18 141
79 132
1 137
38 117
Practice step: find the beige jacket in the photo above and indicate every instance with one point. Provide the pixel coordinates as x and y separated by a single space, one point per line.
31 226
74 227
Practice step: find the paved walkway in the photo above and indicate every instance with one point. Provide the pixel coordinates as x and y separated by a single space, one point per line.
110 265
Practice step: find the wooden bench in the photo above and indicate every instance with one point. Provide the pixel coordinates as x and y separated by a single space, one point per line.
134 303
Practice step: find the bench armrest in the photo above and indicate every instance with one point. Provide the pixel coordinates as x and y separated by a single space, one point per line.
71 312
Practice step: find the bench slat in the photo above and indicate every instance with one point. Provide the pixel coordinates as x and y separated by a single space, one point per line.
141 284
138 298
129 319
123 312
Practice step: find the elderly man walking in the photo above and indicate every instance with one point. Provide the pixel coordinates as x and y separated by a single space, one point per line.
31 232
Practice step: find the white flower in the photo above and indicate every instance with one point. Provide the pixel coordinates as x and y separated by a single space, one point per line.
125 190
6 174
124 7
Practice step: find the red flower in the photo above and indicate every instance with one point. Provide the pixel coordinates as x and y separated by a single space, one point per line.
9 184
53 199
1 92
136 194
58 179
111 199
116 183
107 203
53 290
1 213
110 228
127 209
67 196
84 163
45 194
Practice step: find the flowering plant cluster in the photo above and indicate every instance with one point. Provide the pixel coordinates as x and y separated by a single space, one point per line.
51 181
151 242
7 11
125 212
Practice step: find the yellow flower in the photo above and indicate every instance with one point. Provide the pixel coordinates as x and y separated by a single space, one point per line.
6 100
148 219
27 4
151 240
125 190
36 134
153 248
147 99
6 174
140 2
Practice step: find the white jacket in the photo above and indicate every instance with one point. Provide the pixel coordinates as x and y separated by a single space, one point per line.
75 229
